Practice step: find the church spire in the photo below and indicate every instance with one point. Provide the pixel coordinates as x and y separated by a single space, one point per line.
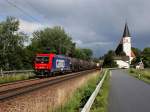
126 32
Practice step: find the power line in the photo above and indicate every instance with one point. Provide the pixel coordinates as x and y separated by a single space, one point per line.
21 10
36 9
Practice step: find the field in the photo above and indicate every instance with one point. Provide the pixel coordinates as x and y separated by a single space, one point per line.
141 74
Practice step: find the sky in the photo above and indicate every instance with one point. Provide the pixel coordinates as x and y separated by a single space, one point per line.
94 24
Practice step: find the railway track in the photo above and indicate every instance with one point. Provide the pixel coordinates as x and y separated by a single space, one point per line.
17 82
14 89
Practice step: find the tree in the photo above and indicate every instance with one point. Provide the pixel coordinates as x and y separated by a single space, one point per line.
138 57
79 54
142 55
85 54
108 60
136 51
146 56
11 44
96 60
56 40
88 53
52 40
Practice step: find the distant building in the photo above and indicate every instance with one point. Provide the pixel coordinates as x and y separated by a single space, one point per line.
123 51
140 65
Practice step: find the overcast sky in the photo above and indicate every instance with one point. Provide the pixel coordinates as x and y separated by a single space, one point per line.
95 24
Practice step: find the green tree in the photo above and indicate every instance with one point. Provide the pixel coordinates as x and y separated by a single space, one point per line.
138 57
96 60
85 54
52 40
79 54
136 51
141 55
11 44
146 57
88 53
109 60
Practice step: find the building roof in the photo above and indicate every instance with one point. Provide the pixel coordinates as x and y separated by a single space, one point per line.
126 32
119 49
123 58
132 54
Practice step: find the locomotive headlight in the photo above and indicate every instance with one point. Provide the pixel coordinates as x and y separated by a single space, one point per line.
45 70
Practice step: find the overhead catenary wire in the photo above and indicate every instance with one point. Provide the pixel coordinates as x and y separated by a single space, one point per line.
36 10
22 10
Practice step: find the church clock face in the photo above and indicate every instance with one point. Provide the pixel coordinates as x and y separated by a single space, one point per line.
126 40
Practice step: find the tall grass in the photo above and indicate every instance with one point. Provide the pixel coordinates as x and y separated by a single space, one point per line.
80 97
101 102
141 74
15 77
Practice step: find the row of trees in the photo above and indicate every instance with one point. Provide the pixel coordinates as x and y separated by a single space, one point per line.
56 40
15 55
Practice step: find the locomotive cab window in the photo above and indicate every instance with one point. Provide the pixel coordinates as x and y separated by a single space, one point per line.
42 59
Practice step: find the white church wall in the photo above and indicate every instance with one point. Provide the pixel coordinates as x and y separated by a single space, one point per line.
122 64
127 46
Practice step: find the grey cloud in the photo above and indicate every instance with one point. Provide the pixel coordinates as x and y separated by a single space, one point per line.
90 22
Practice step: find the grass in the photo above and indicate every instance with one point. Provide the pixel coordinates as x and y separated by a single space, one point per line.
141 74
101 102
15 77
80 96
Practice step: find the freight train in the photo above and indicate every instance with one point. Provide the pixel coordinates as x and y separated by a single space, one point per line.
50 64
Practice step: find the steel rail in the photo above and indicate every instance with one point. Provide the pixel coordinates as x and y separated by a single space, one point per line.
17 82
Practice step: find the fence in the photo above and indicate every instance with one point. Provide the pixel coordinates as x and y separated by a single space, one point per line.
89 103
3 73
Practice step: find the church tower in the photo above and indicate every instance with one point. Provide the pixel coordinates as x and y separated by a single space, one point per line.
126 41
124 47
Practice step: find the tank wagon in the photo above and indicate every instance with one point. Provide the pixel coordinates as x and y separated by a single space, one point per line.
49 64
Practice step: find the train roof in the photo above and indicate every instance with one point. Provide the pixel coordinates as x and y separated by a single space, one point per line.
45 54
61 56
48 54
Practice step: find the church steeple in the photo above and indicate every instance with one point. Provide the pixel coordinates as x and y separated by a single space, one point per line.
126 32
125 43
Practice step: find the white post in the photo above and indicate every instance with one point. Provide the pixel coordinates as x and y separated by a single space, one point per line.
1 72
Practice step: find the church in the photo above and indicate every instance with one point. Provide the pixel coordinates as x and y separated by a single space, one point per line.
124 53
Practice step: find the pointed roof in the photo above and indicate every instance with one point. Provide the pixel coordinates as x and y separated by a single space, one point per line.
132 54
126 32
119 49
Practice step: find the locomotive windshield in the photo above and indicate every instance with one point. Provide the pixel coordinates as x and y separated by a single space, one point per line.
42 59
